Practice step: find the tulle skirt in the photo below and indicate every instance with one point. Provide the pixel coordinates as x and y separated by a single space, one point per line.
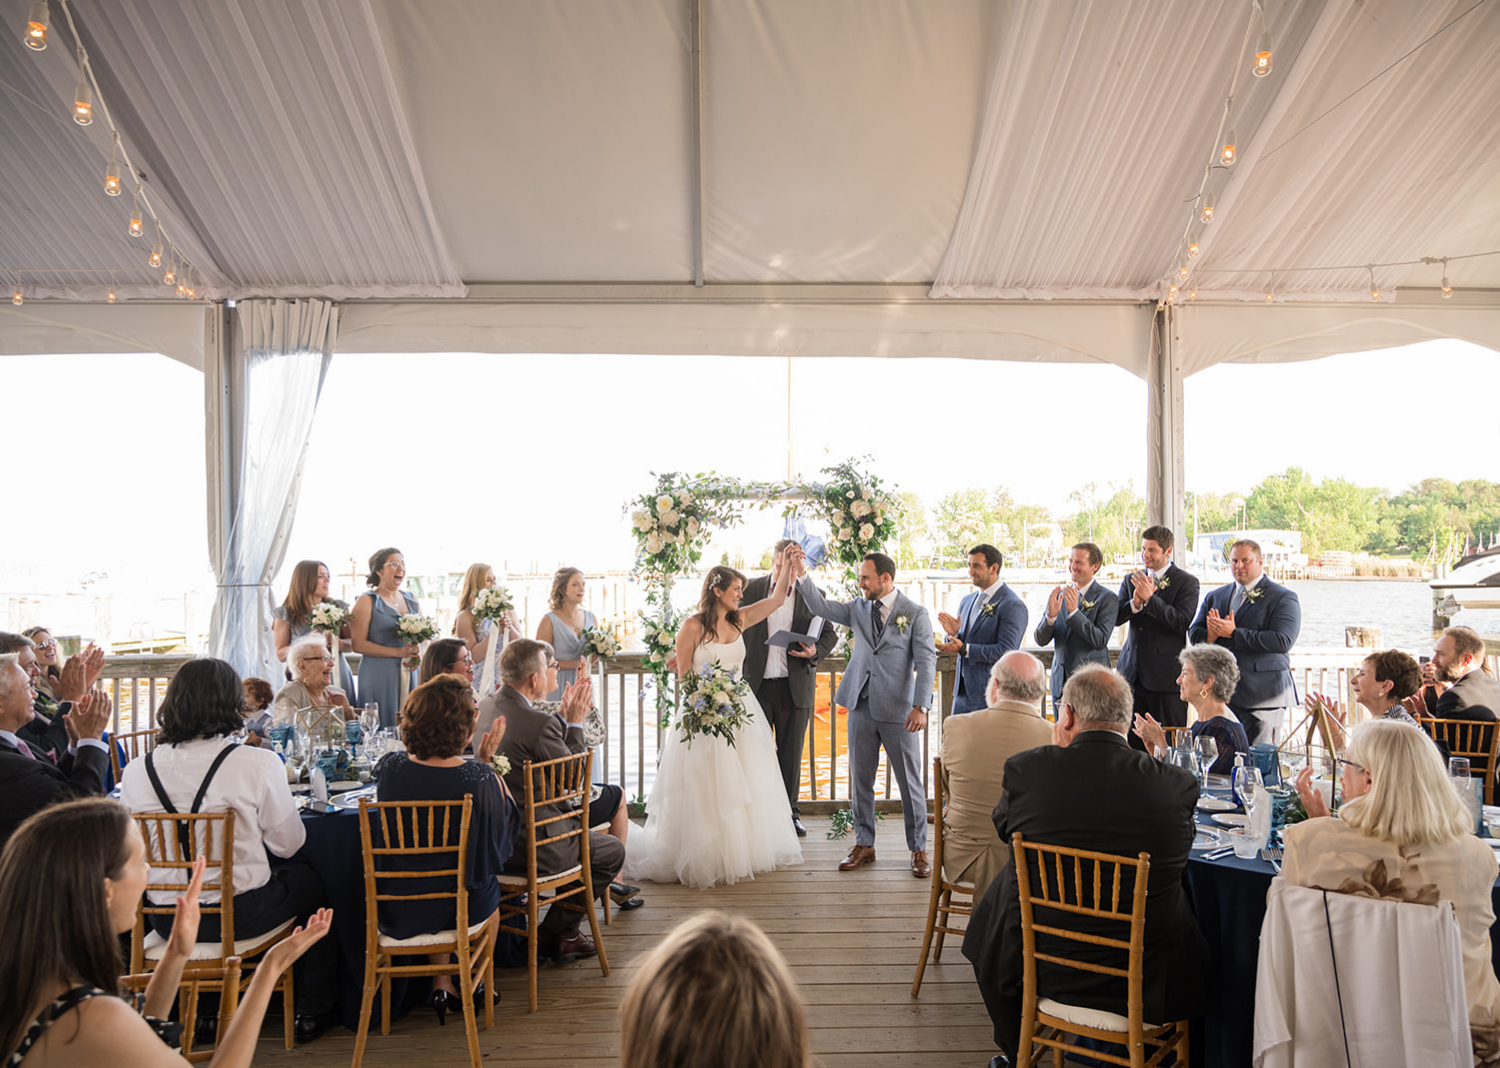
718 813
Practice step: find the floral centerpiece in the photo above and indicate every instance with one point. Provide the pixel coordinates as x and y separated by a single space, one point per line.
493 603
600 642
713 702
328 617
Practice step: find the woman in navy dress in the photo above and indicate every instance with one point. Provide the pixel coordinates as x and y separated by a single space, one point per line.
372 630
436 723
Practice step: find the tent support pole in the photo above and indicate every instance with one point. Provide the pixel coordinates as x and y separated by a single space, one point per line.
695 41
1165 497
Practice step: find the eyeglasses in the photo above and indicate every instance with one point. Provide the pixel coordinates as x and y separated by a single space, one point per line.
316 660
1352 764
551 664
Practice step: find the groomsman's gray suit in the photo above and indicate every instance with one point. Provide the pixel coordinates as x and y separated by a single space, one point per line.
886 678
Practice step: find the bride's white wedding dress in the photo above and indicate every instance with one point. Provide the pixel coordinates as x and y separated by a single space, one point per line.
718 813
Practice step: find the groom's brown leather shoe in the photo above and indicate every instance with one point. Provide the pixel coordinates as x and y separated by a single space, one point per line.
858 857
919 866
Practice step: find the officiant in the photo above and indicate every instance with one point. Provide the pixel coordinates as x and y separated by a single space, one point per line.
784 677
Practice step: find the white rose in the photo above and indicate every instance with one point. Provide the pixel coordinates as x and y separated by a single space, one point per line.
641 518
693 527
859 508
653 543
850 495
865 492
866 532
669 518
845 533
663 503
686 496
721 699
880 515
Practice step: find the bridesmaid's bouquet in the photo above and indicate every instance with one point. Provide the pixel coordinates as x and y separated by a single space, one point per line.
713 702
327 618
492 604
414 629
601 643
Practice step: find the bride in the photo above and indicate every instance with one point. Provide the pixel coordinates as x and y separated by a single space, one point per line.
718 813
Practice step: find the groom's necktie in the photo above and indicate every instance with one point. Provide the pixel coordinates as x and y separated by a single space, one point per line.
875 618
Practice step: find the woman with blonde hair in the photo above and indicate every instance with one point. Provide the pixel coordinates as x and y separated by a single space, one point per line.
715 991
477 634
563 628
308 588
1403 820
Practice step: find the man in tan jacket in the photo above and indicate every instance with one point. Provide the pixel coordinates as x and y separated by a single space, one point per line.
975 749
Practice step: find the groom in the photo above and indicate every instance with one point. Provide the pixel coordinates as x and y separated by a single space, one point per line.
887 689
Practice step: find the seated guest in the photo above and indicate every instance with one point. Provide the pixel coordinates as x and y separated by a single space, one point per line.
48 658
477 633
196 768
29 779
1209 676
46 731
307 590
447 656
1383 683
715 991
1403 825
1092 791
975 749
311 686
436 722
64 1004
531 734
258 698
1457 687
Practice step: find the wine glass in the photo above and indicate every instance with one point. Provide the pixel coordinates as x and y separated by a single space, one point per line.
1208 751
1246 778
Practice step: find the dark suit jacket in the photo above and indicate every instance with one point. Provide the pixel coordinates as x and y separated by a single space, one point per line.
534 736
29 785
1476 690
1079 639
1265 630
802 674
1158 632
48 736
988 637
1098 794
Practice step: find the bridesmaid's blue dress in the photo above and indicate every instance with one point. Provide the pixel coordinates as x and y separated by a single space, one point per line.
380 676
566 645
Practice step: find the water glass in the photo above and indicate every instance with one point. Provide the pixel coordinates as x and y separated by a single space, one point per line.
1458 767
1244 782
1208 751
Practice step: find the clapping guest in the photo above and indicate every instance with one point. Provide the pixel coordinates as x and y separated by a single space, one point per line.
478 633
1403 832
195 767
715 991
60 969
48 659
373 631
1383 683
308 589
1209 676
46 730
436 723
447 656
563 628
1078 619
312 682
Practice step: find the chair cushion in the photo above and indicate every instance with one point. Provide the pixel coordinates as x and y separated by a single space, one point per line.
155 945
508 879
436 939
1096 1018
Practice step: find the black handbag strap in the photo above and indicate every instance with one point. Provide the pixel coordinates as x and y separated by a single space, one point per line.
184 841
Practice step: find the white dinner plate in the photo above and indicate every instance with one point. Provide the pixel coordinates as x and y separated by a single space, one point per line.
1208 838
1215 804
1231 819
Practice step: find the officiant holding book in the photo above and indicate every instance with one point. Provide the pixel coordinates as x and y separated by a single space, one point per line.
784 675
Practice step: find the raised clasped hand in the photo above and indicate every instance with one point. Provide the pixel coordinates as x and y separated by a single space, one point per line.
89 717
489 745
949 624
1070 598
1144 584
1312 799
283 954
1054 601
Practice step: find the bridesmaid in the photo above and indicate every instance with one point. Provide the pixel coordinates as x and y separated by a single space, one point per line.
308 588
373 632
563 627
476 633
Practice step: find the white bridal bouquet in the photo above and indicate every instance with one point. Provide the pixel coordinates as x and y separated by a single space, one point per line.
414 629
713 702
492 604
327 618
599 642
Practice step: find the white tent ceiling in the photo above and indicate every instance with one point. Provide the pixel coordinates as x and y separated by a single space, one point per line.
878 177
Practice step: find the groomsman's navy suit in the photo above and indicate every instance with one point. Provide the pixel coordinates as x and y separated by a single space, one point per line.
1158 632
989 628
1265 629
1080 637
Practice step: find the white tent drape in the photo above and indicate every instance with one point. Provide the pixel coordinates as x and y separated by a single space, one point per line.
261 396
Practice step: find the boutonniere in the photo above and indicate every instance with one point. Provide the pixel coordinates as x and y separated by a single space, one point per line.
501 763
989 609
902 623
1087 604
1254 595
1163 582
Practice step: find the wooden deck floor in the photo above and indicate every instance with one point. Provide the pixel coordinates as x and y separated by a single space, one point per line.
851 940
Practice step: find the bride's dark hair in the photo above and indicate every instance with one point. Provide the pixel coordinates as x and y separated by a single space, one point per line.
718 579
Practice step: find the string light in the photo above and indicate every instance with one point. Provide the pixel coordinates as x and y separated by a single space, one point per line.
1374 289
1192 294
112 172
1192 250
36 27
135 213
18 298
1172 295
1262 63
110 296
1228 154
1182 272
83 96
1207 214
1447 289
171 275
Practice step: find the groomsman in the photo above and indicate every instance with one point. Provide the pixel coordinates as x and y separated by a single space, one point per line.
1079 619
990 624
1258 621
1158 602
784 679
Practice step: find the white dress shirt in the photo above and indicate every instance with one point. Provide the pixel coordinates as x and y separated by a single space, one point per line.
984 597
1159 576
251 781
779 620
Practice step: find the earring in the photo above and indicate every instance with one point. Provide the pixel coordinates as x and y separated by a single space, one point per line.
1202 693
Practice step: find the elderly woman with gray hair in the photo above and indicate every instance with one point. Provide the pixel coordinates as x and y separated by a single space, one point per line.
1209 676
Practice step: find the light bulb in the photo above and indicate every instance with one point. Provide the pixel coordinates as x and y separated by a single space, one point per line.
83 104
1262 65
1192 250
16 298
36 27
155 259
181 290
1207 214
1374 293
135 223
1182 272
112 179
1447 289
168 278
1270 296
1172 295
1227 154
110 296
1192 294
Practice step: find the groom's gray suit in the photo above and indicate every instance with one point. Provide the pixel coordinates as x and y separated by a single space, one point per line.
884 681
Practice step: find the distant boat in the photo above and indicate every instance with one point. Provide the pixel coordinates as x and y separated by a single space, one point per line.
1473 583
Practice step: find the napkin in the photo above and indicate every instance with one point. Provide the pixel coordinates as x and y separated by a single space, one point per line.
1260 816
319 784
